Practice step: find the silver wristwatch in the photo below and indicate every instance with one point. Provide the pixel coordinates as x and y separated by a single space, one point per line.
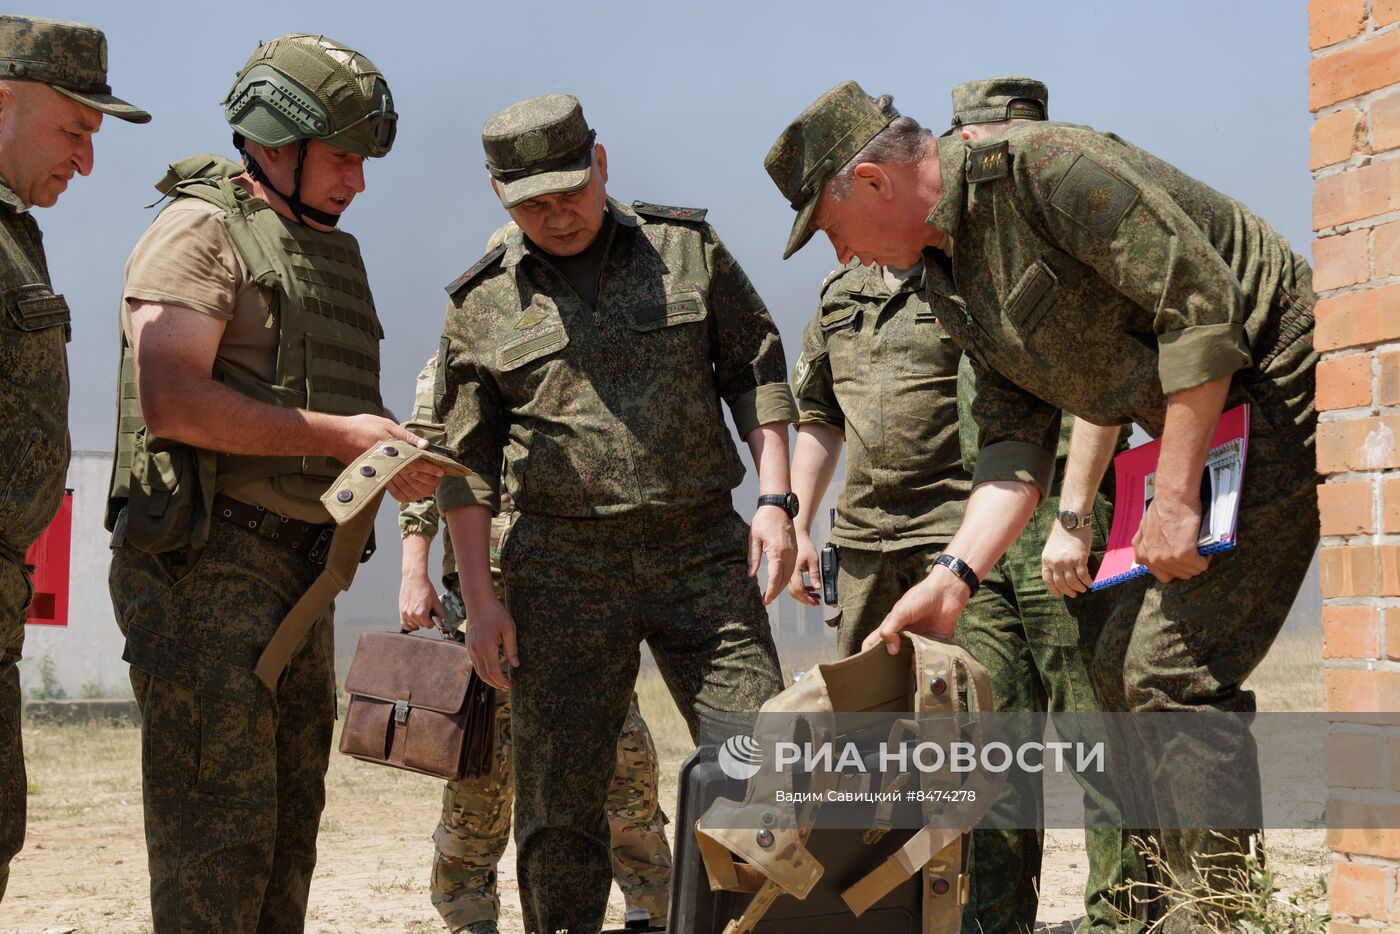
1071 520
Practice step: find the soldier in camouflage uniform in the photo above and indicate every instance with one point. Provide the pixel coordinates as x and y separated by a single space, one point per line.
1102 280
877 369
250 374
592 350
878 373
475 823
53 94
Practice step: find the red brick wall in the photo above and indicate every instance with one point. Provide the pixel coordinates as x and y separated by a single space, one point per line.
1354 90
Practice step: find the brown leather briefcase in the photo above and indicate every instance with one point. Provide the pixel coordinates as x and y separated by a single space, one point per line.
416 704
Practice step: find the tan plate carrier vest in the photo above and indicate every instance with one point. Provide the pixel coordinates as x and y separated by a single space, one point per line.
760 846
327 361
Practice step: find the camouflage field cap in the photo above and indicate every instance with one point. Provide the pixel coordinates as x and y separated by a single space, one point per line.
816 145
300 86
539 146
997 99
69 57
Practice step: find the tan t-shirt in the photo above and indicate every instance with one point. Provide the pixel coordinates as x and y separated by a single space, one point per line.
186 258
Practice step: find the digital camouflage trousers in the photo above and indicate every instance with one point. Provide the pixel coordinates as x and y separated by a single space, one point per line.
1037 648
475 828
233 775
16 591
584 595
1190 645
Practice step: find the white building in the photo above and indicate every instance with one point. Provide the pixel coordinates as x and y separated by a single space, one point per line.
86 654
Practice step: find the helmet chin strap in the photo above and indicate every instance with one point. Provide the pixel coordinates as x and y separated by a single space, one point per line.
302 212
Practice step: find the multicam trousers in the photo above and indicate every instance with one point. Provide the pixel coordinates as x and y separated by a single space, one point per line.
584 594
233 775
475 827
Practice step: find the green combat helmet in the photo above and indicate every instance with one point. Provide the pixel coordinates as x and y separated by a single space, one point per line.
301 87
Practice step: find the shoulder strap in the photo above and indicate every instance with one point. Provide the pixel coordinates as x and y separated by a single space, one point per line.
666 212
209 178
476 269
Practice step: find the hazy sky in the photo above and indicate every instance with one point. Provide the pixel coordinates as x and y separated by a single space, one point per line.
687 97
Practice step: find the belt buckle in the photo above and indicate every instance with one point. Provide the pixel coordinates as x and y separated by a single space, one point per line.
400 711
317 553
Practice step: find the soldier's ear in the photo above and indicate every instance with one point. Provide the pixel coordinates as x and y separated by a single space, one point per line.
873 178
600 161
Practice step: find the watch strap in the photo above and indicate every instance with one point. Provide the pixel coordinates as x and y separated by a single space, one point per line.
784 501
1081 520
961 568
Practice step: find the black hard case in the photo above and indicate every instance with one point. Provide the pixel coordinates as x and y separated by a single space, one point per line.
843 854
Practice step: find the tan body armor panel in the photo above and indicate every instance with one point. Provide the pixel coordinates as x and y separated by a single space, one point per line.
927 677
327 361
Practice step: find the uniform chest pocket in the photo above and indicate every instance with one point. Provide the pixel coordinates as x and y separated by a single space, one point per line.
842 316
1032 296
531 347
685 308
35 307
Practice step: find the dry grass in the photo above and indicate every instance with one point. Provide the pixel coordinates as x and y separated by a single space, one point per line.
84 868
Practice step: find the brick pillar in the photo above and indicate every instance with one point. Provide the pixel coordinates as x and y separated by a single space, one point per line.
1354 90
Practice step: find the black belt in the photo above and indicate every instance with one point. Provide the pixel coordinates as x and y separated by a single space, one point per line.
303 538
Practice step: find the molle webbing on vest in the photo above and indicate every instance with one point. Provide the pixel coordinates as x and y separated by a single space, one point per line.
318 296
129 420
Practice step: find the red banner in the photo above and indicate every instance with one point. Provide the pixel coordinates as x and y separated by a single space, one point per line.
50 557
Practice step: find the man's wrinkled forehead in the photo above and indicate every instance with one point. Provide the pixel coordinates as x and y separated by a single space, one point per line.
37 99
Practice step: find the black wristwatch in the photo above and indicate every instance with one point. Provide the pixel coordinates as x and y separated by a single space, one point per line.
785 501
964 570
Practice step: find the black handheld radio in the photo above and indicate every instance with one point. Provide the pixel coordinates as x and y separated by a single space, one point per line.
831 560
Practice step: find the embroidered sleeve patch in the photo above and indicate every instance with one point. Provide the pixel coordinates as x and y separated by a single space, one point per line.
801 374
1094 197
988 162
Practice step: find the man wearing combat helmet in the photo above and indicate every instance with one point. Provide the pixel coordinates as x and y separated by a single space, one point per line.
250 375
592 350
53 93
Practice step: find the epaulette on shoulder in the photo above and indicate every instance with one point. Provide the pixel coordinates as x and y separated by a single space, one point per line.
836 274
476 269
985 163
667 213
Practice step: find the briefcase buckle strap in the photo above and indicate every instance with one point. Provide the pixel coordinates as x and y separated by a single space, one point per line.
400 711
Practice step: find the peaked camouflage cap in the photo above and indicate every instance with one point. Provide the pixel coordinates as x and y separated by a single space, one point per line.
301 86
996 99
539 146
816 146
69 57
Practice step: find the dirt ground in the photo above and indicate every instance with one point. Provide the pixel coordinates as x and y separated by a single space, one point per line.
84 866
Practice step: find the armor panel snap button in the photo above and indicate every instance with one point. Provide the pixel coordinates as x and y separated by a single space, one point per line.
939 686
367 471
940 886
345 496
391 451
764 838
